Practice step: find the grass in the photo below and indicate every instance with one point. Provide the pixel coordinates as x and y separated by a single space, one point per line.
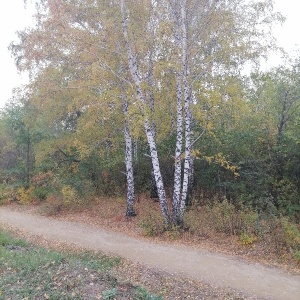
30 272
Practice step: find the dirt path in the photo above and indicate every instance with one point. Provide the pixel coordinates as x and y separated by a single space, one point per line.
219 270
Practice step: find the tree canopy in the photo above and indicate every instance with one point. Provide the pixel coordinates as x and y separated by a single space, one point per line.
157 85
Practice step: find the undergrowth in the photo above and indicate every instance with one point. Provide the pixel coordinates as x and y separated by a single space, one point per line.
277 235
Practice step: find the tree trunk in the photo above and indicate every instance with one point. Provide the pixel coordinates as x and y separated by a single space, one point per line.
182 87
130 212
132 64
153 191
178 169
191 187
187 111
27 179
157 173
153 188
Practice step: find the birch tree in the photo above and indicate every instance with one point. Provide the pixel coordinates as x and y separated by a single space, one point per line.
196 43
80 47
207 40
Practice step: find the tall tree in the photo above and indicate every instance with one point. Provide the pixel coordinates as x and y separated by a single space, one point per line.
189 45
79 55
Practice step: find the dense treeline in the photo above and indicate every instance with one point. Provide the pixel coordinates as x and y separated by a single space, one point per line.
146 96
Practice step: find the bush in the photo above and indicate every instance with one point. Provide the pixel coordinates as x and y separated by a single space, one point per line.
7 195
297 256
41 193
24 195
291 234
230 220
51 206
247 239
152 225
222 217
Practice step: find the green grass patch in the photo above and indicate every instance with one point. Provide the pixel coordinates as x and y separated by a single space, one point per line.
142 294
30 272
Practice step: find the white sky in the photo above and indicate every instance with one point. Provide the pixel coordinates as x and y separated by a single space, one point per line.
13 17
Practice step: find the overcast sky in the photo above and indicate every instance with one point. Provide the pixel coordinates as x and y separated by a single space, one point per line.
13 17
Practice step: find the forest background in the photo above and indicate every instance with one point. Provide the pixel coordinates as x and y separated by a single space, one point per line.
149 97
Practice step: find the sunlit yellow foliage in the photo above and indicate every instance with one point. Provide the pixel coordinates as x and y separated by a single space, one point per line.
221 160
69 195
24 195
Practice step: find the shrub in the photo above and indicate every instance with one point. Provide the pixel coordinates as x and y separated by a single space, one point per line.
222 217
297 256
7 195
230 220
69 195
41 193
24 195
247 239
51 206
152 225
280 235
291 234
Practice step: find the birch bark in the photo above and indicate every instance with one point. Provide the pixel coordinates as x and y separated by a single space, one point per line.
182 91
153 192
178 150
130 212
178 146
187 110
132 64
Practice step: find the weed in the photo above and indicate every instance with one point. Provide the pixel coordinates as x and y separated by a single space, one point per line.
142 294
109 294
297 256
96 262
173 232
221 217
247 239
6 240
152 225
52 206
291 234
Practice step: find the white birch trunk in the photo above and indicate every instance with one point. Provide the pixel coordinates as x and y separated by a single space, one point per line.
187 111
130 212
178 170
191 187
130 197
179 189
153 191
157 173
182 89
132 63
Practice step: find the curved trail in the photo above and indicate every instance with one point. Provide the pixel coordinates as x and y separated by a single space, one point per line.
216 269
